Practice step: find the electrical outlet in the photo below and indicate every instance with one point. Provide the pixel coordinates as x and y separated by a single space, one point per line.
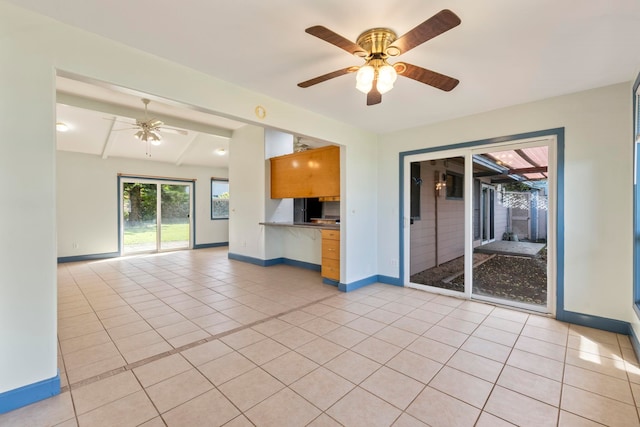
394 262
75 245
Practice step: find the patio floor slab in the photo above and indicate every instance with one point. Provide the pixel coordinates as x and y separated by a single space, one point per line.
507 247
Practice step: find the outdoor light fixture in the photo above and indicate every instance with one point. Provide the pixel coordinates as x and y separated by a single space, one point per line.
441 184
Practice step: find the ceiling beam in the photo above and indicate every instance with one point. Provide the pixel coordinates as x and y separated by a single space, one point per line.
106 148
506 180
528 159
124 111
186 149
521 171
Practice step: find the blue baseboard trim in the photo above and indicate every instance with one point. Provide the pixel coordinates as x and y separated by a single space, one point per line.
274 261
210 245
388 280
634 340
23 396
301 264
330 282
348 287
89 257
597 322
248 259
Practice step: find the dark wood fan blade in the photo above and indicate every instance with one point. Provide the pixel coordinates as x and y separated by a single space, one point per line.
335 39
328 76
374 97
431 78
434 26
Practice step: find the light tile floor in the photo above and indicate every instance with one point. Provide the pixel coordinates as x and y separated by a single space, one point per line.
193 339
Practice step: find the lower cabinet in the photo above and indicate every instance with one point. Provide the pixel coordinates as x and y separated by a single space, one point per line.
331 254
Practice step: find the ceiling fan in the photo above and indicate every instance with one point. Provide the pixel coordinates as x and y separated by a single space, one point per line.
149 129
376 45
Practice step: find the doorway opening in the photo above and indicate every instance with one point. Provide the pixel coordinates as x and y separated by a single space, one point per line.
497 244
155 215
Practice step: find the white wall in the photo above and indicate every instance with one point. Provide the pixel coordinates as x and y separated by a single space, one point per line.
246 186
276 143
598 188
27 212
87 200
32 47
358 211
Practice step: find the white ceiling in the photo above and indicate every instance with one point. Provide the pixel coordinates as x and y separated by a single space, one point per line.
101 122
505 52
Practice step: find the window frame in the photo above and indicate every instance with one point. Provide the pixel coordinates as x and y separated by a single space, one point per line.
455 177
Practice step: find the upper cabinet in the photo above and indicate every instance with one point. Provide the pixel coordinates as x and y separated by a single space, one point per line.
311 173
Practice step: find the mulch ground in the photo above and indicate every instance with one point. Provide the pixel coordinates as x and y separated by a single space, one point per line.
502 276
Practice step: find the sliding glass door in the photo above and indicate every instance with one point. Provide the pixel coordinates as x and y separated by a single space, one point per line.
480 224
175 215
155 215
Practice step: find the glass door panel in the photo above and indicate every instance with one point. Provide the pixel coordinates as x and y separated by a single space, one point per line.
487 209
437 231
140 226
510 262
175 203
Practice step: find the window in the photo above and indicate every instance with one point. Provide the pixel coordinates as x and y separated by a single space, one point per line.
455 185
416 183
219 198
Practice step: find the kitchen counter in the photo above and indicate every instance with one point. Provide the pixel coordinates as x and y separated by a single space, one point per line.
318 226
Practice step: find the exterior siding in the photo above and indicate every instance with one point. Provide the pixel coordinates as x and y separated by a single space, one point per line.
450 221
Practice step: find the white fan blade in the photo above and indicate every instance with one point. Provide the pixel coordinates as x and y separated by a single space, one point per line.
174 131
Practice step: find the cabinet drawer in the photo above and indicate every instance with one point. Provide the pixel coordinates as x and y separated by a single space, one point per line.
331 234
331 268
331 249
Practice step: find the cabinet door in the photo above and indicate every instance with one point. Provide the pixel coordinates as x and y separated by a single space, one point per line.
311 173
331 269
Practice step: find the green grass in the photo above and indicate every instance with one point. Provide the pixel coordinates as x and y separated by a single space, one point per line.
147 233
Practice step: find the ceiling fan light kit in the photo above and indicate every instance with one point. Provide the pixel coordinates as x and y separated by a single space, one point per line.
376 68
149 128
376 76
148 135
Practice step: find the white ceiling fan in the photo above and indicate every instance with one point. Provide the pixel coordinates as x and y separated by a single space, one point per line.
150 129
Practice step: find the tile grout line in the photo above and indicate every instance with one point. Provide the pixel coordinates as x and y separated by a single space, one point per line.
495 383
133 365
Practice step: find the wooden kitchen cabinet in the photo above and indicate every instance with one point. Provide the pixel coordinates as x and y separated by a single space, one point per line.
311 173
331 254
